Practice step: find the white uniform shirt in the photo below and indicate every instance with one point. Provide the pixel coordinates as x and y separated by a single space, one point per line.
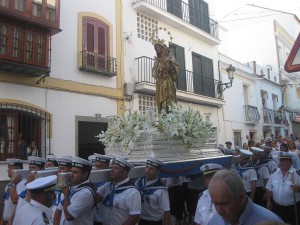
281 187
81 207
205 209
262 174
32 214
154 205
125 204
22 200
9 206
272 165
247 177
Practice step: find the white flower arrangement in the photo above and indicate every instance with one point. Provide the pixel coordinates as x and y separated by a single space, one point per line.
126 129
185 124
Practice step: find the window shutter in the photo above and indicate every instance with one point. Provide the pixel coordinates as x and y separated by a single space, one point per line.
197 74
207 67
101 41
174 7
90 37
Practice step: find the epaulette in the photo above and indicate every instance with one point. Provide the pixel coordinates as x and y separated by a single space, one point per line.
298 171
45 218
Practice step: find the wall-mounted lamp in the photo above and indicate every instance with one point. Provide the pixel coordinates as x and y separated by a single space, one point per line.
223 86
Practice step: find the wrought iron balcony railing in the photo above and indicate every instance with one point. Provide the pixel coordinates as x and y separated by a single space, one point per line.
187 80
251 113
95 62
273 117
188 13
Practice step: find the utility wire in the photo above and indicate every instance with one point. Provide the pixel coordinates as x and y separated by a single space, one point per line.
248 18
275 10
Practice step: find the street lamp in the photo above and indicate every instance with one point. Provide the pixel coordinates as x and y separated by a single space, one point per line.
223 86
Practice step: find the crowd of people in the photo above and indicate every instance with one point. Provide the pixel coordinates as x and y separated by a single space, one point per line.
262 185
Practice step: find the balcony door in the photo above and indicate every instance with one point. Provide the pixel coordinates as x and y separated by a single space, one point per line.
203 76
178 53
95 43
199 15
175 7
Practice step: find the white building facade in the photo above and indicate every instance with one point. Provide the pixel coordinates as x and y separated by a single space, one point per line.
253 104
267 40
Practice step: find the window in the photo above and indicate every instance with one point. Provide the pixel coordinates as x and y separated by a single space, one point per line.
3 38
237 136
275 101
175 7
203 76
96 44
29 46
199 16
51 10
146 27
16 42
20 5
21 126
40 46
22 44
37 8
178 53
147 102
246 94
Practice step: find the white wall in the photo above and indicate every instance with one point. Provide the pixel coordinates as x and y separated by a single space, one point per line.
64 44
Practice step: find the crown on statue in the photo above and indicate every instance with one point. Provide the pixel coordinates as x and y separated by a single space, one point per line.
159 41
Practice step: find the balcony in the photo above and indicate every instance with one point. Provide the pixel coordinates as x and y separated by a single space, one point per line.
251 114
97 63
273 117
23 49
40 14
191 87
183 16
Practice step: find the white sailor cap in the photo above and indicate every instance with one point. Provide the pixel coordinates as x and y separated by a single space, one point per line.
257 150
42 184
14 162
81 163
154 162
284 155
92 158
36 161
102 158
65 161
122 162
210 168
51 157
245 153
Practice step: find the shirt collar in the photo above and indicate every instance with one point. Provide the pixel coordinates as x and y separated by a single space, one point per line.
43 208
151 181
75 187
244 217
122 182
